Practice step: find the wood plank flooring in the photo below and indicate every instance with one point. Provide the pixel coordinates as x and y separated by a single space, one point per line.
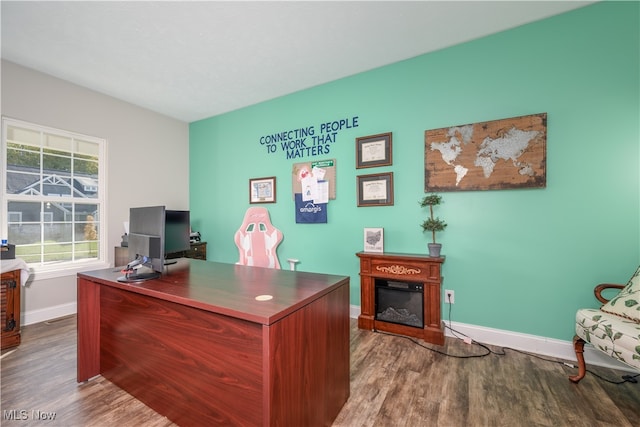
394 382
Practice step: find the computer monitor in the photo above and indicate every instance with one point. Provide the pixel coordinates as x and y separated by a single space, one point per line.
177 231
154 232
146 243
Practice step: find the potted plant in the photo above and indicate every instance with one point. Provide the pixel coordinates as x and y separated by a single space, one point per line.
433 224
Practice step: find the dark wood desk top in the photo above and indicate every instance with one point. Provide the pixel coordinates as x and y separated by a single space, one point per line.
229 289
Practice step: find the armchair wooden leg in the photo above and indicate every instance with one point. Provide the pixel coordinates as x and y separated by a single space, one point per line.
578 346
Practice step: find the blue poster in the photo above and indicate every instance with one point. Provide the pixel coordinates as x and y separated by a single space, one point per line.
309 212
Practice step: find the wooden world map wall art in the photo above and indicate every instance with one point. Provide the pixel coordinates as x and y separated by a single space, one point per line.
495 155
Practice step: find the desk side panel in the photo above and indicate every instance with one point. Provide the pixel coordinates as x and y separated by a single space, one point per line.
309 362
88 329
193 366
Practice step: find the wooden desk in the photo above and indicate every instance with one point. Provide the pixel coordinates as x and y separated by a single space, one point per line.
197 347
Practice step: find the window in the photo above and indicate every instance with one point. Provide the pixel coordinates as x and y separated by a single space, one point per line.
53 196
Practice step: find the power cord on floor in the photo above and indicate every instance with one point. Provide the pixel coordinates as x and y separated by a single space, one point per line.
456 356
459 335
468 356
625 378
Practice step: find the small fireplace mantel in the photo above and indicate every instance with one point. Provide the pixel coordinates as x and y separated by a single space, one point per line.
404 267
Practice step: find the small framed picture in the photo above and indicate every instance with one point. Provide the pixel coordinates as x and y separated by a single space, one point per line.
262 190
375 189
374 240
374 150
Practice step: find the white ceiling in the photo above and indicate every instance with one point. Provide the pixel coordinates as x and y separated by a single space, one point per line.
192 60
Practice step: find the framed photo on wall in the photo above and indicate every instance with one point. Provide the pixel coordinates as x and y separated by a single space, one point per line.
374 240
262 190
374 150
375 189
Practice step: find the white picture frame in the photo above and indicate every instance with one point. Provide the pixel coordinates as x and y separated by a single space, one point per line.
374 240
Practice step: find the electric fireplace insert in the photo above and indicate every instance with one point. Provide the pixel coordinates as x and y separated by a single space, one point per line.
399 302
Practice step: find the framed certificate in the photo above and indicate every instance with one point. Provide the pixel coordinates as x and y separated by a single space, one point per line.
262 190
375 189
374 150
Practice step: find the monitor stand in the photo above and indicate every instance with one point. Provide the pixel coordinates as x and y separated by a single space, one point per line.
139 277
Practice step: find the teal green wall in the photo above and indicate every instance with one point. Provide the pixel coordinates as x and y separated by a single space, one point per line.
519 260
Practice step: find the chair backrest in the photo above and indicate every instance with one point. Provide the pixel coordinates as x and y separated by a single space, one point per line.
257 239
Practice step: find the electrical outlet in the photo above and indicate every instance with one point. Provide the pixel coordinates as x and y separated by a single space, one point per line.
449 296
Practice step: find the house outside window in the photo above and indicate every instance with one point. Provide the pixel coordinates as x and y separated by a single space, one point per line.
53 190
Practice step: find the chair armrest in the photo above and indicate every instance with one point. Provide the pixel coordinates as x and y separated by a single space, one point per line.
603 286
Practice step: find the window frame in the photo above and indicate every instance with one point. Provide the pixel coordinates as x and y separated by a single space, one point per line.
42 270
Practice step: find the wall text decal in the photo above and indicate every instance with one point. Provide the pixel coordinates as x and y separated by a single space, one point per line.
307 141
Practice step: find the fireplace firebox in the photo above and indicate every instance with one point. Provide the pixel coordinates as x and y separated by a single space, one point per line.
401 294
399 302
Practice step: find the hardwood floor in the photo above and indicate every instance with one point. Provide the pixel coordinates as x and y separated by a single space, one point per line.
394 382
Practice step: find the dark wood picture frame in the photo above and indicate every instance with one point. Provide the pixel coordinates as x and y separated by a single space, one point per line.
374 150
262 190
375 189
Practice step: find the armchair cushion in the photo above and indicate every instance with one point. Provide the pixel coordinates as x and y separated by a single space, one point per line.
612 334
627 302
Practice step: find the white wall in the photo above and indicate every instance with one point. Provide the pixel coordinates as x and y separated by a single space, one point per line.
147 155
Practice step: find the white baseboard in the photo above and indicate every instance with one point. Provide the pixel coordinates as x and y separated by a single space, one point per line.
528 343
42 315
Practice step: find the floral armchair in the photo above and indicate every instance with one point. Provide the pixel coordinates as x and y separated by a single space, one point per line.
614 328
